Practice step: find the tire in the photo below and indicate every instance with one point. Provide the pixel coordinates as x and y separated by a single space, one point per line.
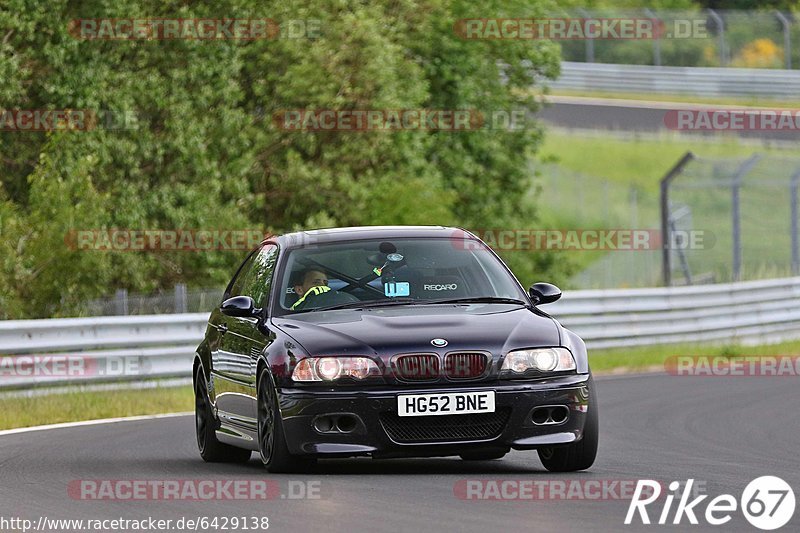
483 456
271 438
212 450
578 455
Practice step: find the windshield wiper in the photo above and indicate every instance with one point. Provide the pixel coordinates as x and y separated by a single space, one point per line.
478 300
362 305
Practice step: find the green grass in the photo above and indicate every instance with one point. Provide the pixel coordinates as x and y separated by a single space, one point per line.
653 357
639 161
75 406
81 405
606 181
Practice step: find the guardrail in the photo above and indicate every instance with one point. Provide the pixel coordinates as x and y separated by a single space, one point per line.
98 349
159 346
697 81
751 312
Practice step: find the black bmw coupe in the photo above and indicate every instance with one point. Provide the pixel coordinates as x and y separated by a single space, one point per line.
389 342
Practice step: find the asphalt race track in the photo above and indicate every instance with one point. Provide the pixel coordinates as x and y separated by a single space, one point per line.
585 113
723 432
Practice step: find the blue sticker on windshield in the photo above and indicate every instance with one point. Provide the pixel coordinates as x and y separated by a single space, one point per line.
399 288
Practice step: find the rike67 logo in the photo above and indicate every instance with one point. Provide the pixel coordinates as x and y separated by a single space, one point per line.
767 503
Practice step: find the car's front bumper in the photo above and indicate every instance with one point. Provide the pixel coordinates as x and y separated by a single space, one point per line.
302 409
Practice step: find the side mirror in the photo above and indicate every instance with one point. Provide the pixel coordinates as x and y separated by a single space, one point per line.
240 306
544 293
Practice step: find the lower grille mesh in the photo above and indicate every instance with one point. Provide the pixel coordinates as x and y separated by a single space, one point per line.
416 429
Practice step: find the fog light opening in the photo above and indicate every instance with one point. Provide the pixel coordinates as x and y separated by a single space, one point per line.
540 415
323 424
550 415
559 414
346 424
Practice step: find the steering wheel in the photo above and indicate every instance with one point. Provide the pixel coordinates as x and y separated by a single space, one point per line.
326 299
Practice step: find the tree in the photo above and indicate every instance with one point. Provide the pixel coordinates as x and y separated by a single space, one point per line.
204 151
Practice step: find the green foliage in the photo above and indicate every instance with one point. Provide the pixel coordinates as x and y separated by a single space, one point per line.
204 152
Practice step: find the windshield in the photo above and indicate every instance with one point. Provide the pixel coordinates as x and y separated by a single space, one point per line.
392 272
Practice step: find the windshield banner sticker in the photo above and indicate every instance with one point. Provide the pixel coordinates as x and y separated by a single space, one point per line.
399 288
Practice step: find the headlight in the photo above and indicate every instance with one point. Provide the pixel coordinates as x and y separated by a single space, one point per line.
332 368
329 368
518 362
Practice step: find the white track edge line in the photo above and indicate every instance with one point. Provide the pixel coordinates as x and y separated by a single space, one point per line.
63 425
101 421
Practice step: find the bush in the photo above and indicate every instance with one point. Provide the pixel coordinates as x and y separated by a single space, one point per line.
204 152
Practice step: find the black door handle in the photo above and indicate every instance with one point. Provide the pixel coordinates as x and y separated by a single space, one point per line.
222 328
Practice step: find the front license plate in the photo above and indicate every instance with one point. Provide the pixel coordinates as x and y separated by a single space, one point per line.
451 403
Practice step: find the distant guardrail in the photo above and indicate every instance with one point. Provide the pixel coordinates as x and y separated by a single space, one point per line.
751 312
98 349
696 81
162 346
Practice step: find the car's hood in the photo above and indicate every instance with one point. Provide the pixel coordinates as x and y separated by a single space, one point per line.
496 328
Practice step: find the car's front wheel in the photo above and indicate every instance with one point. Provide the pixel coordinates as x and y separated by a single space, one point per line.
271 439
211 449
578 455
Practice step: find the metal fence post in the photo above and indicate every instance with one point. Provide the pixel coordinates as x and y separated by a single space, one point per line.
687 272
793 223
121 302
736 184
666 267
787 39
589 42
656 38
180 298
721 28
737 232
